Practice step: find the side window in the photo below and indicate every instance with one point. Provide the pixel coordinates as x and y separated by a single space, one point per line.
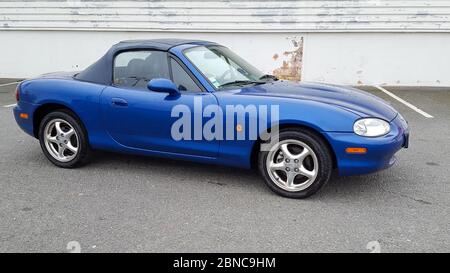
136 68
182 79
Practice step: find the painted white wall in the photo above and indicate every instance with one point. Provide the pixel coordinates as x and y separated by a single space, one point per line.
228 16
421 59
401 42
341 58
31 53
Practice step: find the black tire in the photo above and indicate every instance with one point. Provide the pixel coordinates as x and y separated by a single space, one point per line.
84 150
324 160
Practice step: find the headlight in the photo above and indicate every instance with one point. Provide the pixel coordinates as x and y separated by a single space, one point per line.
371 127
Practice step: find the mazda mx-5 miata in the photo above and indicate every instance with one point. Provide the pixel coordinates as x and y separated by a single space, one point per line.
124 103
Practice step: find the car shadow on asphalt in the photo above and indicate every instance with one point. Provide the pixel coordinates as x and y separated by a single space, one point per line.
174 169
191 172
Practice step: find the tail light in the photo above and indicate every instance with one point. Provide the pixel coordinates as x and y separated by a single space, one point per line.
17 93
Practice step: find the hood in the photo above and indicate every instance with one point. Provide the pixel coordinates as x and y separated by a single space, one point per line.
357 101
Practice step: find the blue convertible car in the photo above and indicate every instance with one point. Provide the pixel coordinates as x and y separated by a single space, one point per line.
197 100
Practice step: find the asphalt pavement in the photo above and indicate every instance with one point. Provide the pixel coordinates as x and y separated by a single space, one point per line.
123 203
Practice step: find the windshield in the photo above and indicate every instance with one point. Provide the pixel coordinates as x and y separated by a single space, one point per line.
223 68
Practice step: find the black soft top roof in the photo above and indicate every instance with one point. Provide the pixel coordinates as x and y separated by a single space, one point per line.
101 71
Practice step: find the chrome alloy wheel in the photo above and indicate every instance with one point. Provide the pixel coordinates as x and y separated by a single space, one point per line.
61 140
292 165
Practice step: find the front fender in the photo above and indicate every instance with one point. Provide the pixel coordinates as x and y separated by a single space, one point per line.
320 116
312 114
317 115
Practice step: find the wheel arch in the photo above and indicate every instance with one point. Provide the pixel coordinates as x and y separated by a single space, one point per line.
287 126
46 108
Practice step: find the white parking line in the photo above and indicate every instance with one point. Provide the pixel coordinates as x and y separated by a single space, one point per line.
10 105
10 83
423 113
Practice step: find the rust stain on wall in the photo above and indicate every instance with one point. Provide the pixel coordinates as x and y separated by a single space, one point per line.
292 66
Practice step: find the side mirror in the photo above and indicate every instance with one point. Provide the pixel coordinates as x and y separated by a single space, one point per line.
163 86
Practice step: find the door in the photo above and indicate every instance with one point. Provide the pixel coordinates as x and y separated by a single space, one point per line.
142 119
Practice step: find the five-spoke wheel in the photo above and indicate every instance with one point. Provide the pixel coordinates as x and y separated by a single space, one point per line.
292 165
63 139
298 165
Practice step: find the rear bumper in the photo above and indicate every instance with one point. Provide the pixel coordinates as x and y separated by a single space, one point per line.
25 124
380 150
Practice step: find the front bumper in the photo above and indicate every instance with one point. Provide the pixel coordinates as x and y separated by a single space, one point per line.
380 150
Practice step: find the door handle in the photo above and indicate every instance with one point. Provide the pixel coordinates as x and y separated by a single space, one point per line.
119 102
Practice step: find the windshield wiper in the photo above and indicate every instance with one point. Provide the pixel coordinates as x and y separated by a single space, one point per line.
241 82
268 76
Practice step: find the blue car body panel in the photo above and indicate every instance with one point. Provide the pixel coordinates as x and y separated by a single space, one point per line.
380 150
142 124
146 122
